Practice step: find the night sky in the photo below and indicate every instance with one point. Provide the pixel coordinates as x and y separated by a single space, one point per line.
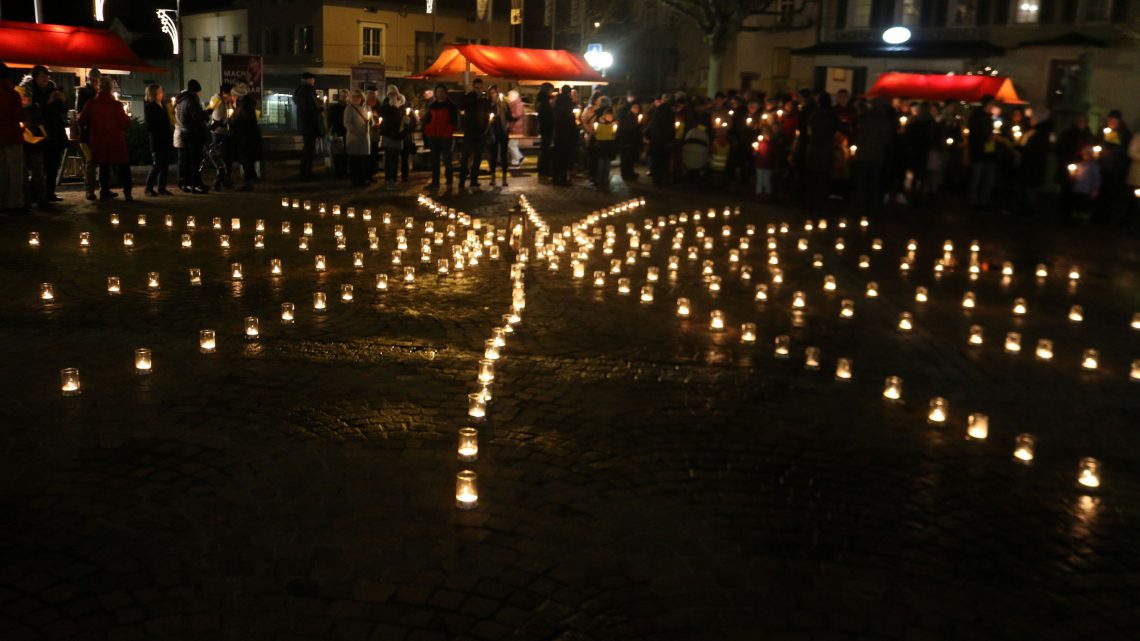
81 12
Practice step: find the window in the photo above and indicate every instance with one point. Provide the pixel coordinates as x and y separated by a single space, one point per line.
860 14
305 39
910 13
192 49
221 46
237 44
966 12
371 41
1027 12
205 49
1098 10
785 11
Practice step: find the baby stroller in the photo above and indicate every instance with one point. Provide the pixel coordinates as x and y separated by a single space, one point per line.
212 158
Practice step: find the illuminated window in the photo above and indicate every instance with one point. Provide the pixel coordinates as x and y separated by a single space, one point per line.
860 14
910 13
1028 12
371 41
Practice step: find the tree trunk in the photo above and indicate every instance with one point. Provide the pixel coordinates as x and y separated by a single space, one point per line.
716 64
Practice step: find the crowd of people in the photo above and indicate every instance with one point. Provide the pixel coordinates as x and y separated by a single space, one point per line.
810 147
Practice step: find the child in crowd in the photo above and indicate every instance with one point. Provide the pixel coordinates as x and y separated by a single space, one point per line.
765 161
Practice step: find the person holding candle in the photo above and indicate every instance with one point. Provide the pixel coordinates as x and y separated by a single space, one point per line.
52 107
497 133
189 137
1114 142
393 121
983 153
308 122
357 143
441 119
1068 152
246 134
1085 178
476 121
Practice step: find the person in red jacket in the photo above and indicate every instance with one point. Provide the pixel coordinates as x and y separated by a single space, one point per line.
440 122
11 145
108 123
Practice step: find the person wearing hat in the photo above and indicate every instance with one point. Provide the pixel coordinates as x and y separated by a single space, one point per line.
107 122
393 122
1114 141
11 145
308 121
85 94
52 107
246 134
190 136
33 148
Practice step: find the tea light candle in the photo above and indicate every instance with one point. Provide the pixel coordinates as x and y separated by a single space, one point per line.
1074 273
252 328
876 244
152 280
342 244
216 223
235 224
1023 446
1134 373
128 240
904 265
748 333
346 293
969 300
143 362
939 411
683 307
47 292
34 238
647 294
1020 307
652 275
466 493
319 263
187 241
258 241
285 202
113 285
716 320
206 341
307 229
320 301
409 275
490 349
195 277
906 321
286 227
259 224
799 300
761 293
288 311
811 358
381 282
975 335
1089 359
486 370
499 335
977 426
1044 351
1135 324
69 381
1088 473
829 283
782 346
296 203
338 231
843 371
777 276
1007 268
468 444
864 262
235 271
114 220
817 261
623 286
893 389
579 269
142 220
1042 271
1013 342
1076 313
84 239
224 241
872 289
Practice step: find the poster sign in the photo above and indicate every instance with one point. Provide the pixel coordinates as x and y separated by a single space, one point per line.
363 77
244 68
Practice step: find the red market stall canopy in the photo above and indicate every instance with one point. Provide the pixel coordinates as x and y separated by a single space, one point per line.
24 44
527 66
929 86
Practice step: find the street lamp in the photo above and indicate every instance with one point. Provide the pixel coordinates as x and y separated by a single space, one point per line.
896 35
599 60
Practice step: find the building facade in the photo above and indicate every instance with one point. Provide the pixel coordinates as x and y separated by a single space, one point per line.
205 37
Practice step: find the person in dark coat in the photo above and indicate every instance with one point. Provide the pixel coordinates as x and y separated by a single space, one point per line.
308 122
1114 161
11 145
336 130
565 141
393 123
497 133
52 107
476 118
629 138
192 134
819 152
872 141
983 153
1068 152
107 122
441 119
85 94
161 137
246 134
545 111
662 131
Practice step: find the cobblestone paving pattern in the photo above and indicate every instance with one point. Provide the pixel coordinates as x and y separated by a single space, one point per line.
640 477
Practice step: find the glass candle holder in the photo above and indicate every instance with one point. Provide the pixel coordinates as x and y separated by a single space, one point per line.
1135 324
466 492
490 349
152 281
799 300
258 241
817 261
409 275
47 292
476 405
840 245
319 263
1074 273
647 294
1089 359
716 320
69 381
683 307
843 369
342 244
748 333
486 370
782 346
285 202
195 277
893 389
216 223
1076 314
761 295
235 271
320 301
1013 342
191 223
288 313
1007 268
652 275
114 218
1023 448
777 276
969 300
207 342
34 238
259 224
295 203
1020 307
338 231
1088 473
142 220
187 241
1041 272
939 411
224 241
872 289
921 295
623 286
143 361
128 240
811 358
1044 351
84 239
346 294
307 229
977 426
252 328
1134 372
906 321
499 336
714 283
113 285
468 449
286 228
976 335
275 267
829 284
381 282
235 224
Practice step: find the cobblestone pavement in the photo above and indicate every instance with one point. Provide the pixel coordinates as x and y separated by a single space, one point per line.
639 476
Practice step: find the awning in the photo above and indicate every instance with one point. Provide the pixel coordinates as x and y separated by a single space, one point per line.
526 66
24 44
930 86
931 49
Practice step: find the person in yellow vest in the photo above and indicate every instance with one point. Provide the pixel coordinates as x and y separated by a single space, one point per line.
605 128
